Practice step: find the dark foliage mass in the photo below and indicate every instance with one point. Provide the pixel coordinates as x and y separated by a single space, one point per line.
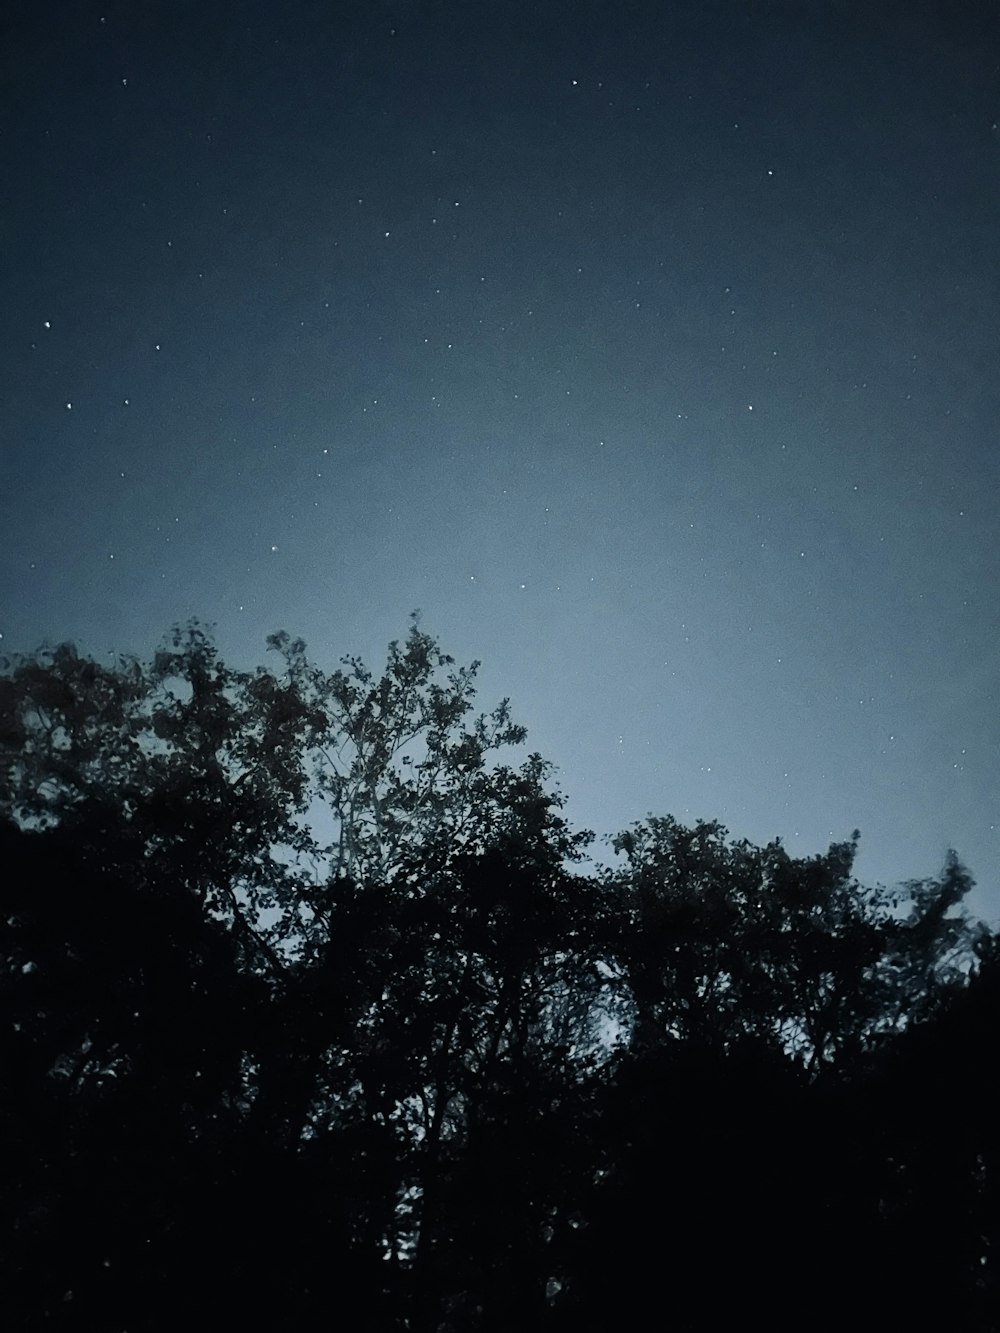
311 1019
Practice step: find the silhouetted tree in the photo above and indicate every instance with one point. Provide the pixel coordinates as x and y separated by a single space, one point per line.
749 1163
308 1015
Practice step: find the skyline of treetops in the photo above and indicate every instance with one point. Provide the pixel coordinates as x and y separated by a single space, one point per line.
311 1010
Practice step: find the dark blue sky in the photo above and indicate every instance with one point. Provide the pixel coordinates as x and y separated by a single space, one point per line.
652 350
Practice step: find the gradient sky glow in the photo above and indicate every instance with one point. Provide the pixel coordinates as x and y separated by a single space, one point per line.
652 350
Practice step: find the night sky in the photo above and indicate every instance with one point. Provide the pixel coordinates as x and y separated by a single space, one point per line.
651 350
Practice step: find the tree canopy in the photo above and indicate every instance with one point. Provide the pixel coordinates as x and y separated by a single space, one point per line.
311 1012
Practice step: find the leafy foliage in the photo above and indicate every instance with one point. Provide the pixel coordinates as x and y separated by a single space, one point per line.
306 997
